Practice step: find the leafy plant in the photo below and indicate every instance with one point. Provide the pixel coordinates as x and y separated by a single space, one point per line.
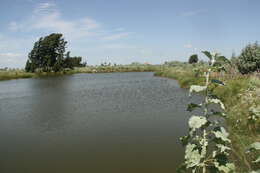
207 144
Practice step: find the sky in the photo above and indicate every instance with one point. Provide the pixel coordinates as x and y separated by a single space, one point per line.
125 31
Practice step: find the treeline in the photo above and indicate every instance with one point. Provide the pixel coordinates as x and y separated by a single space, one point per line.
247 62
48 55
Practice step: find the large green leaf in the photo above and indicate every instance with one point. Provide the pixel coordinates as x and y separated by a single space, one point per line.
223 59
257 160
196 122
217 113
197 88
192 106
222 134
192 156
216 81
223 148
184 140
221 159
255 145
216 101
208 54
257 171
227 168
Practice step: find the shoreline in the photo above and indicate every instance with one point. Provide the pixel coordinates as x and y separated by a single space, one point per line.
21 74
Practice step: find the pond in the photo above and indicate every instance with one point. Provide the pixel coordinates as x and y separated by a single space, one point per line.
97 123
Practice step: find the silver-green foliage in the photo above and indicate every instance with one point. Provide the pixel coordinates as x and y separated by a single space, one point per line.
207 144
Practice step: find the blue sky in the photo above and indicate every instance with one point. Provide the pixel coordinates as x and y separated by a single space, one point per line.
125 31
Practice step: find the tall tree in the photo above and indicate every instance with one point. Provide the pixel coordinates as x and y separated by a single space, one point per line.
47 54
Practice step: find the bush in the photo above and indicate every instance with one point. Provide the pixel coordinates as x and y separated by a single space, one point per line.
249 59
193 59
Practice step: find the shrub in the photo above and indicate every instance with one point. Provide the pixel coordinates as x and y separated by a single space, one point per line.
193 59
249 59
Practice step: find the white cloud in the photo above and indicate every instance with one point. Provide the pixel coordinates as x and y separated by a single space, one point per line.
117 46
9 54
45 7
117 36
188 46
192 13
47 18
14 50
120 29
13 26
11 59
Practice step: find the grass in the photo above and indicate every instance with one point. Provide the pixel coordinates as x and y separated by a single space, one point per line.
15 74
18 74
118 68
240 93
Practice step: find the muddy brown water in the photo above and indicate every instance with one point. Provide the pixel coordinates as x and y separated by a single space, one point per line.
96 123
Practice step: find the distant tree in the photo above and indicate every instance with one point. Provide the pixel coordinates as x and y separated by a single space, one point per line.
249 59
193 59
70 62
47 54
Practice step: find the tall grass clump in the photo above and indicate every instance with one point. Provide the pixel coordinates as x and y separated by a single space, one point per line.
14 74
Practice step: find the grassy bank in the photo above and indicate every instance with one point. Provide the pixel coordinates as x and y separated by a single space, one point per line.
117 68
14 74
19 74
240 95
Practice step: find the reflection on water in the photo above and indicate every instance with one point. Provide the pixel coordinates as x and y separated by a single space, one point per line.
50 104
112 123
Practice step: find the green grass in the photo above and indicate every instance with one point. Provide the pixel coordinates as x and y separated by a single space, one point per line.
18 74
118 68
239 94
15 74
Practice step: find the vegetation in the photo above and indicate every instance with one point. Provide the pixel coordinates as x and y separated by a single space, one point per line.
47 55
6 74
117 68
193 59
240 95
249 60
207 144
14 74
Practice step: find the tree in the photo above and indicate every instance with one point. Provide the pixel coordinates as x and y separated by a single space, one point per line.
193 59
47 54
249 59
70 62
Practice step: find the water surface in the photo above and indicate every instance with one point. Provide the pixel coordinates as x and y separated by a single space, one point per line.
97 123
